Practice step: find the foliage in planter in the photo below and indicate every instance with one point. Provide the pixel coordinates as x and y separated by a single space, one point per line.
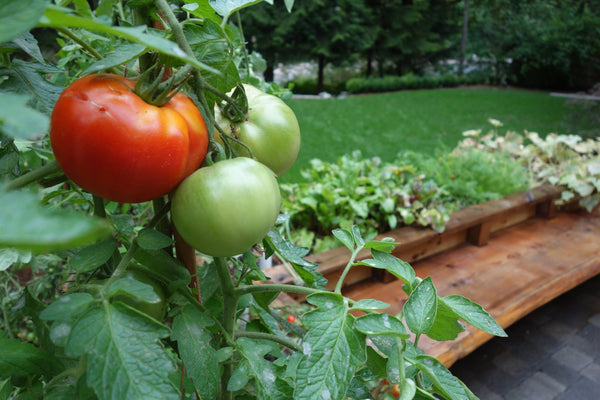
565 160
375 195
105 300
472 176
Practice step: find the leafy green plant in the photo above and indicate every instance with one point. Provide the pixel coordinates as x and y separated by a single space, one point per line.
472 176
564 160
361 191
115 303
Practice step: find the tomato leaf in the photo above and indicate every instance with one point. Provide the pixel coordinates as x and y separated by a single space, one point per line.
18 16
421 306
125 357
59 17
151 239
67 307
196 351
369 304
446 325
28 225
345 237
293 254
265 373
443 381
400 269
131 287
91 257
381 324
474 314
332 350
18 120
120 55
227 7
24 359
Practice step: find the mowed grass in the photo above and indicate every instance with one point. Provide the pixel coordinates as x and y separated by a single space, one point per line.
421 120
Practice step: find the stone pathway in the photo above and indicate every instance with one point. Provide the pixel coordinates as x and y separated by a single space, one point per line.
552 354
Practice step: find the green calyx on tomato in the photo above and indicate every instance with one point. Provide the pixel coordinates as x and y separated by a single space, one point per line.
113 144
270 131
224 209
156 308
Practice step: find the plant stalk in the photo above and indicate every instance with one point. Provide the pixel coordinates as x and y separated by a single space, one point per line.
230 300
33 176
268 336
340 282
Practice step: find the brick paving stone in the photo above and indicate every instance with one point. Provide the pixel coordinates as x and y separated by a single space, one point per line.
592 372
553 368
583 389
595 319
572 358
511 364
557 330
537 387
483 392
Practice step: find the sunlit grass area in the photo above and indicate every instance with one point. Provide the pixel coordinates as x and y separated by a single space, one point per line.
421 120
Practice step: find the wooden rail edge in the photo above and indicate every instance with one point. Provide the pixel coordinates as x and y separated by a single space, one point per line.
472 225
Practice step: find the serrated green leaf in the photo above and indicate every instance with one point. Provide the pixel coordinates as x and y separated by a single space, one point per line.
201 9
264 373
151 239
18 16
369 304
120 55
93 256
27 225
421 307
446 325
332 350
161 266
376 324
29 44
400 269
293 254
18 120
67 307
474 314
224 354
227 7
133 288
386 245
239 378
126 359
58 17
5 389
345 237
198 355
443 381
358 239
24 359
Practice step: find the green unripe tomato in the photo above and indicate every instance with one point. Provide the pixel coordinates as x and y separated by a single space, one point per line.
224 209
271 130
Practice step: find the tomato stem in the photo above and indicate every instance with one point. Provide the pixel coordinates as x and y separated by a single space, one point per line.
33 176
340 282
269 336
99 210
273 287
85 46
230 300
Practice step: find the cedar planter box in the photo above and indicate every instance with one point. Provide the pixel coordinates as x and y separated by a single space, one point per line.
510 255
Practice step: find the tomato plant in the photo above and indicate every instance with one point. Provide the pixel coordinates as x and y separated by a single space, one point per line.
224 209
112 143
270 130
89 319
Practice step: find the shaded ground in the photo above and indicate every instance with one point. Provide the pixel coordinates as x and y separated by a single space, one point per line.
552 354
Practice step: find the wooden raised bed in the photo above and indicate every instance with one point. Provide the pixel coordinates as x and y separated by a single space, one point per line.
510 255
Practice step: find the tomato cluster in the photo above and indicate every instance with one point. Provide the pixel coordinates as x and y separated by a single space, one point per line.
112 143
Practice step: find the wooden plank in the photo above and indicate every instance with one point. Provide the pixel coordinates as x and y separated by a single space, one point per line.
418 243
520 269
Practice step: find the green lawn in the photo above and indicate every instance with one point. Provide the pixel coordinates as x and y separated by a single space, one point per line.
421 120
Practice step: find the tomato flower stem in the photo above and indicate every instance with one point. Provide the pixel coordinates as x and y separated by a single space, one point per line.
33 176
269 336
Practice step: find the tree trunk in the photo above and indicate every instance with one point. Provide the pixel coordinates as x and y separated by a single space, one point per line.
269 73
369 71
463 39
320 73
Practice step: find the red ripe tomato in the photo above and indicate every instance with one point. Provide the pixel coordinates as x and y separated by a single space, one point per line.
113 144
291 319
